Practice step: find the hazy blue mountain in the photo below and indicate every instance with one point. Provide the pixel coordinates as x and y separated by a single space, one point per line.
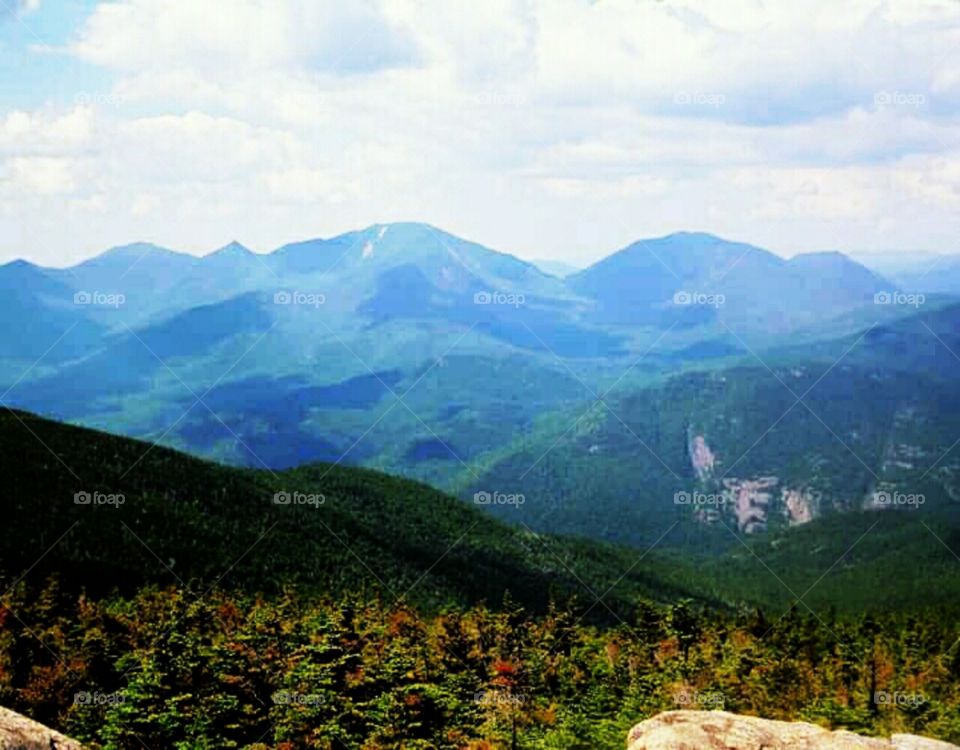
636 286
925 272
941 275
313 255
39 317
136 363
832 282
231 253
836 273
146 275
415 272
230 271
689 279
891 263
27 281
137 265
156 282
229 263
304 354
315 377
447 261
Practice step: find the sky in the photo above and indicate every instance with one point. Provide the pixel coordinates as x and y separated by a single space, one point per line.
560 129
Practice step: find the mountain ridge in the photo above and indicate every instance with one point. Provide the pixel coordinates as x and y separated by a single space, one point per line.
139 248
306 353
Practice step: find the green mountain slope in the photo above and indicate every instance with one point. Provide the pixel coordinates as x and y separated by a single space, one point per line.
896 561
160 516
775 441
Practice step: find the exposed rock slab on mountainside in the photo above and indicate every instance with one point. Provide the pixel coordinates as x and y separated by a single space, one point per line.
719 730
20 733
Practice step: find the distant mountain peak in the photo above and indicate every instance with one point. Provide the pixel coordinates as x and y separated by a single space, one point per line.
698 240
131 253
403 241
421 226
833 259
832 269
22 274
20 265
133 249
680 254
231 249
687 234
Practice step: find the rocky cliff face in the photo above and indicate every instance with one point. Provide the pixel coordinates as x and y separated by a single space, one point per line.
719 730
755 478
750 501
20 733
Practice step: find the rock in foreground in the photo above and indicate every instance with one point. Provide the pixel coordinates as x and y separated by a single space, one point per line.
20 733
719 730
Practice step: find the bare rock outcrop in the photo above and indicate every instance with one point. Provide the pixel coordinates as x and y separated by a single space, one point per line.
17 732
720 730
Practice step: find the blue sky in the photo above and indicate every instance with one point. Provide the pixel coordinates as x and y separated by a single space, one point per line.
30 79
547 128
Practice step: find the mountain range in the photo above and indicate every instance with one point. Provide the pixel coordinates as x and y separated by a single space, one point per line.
921 272
788 389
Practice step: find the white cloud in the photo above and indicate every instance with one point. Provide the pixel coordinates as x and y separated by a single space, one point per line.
307 186
934 181
773 61
45 132
41 175
909 12
156 35
812 193
554 127
198 147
